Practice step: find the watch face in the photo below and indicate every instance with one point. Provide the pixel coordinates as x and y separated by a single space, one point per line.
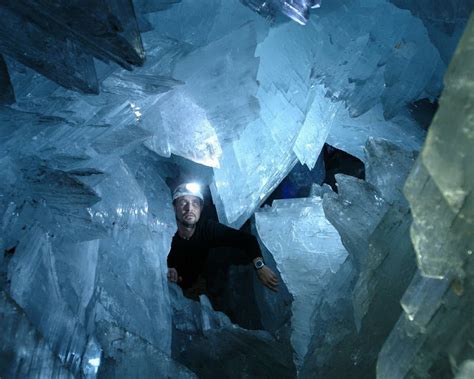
259 264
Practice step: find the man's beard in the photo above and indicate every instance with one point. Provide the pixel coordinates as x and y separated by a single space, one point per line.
187 224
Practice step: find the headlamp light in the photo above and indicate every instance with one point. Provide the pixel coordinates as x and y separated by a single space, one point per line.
193 187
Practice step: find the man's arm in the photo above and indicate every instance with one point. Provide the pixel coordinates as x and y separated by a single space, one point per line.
172 263
173 275
267 276
221 235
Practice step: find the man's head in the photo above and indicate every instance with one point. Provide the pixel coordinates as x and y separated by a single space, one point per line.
188 202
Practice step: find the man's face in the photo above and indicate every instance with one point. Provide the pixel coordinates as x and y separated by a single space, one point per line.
188 209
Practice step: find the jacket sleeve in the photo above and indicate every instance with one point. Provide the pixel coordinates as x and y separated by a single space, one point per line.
220 235
172 260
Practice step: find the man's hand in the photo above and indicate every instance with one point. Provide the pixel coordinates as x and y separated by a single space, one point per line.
268 278
173 275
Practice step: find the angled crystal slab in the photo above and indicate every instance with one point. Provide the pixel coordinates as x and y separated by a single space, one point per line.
446 34
351 134
126 355
206 342
235 191
373 224
48 53
439 233
297 11
210 21
438 305
126 114
357 203
7 95
53 197
218 98
384 278
375 232
189 134
375 60
62 122
423 298
305 247
451 171
127 285
332 328
225 84
49 137
36 260
23 349
147 6
263 155
342 104
106 29
387 168
384 215
41 256
372 87
316 127
466 370
399 350
28 82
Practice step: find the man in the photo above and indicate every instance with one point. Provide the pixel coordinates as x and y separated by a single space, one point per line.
191 243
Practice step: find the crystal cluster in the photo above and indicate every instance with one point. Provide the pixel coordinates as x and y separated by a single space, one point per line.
359 304
434 333
104 104
322 84
306 248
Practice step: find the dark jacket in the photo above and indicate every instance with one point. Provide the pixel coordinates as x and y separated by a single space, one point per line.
189 257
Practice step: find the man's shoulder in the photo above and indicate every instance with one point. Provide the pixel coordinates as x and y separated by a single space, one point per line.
205 224
210 226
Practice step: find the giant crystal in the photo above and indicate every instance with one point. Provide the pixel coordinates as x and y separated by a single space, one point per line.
289 101
210 345
341 100
434 332
359 305
85 208
23 351
305 247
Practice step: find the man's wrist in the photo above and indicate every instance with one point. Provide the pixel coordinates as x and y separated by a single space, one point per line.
258 263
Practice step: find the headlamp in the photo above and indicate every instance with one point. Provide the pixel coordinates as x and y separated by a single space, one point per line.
193 189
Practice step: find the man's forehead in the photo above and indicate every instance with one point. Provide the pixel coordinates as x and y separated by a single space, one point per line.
188 198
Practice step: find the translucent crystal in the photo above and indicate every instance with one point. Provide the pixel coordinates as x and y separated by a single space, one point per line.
24 41
104 29
305 246
438 304
7 95
340 104
466 370
357 203
23 350
387 167
57 307
422 299
360 305
126 354
201 334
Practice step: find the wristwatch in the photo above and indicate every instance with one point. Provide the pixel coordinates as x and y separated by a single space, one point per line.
258 264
